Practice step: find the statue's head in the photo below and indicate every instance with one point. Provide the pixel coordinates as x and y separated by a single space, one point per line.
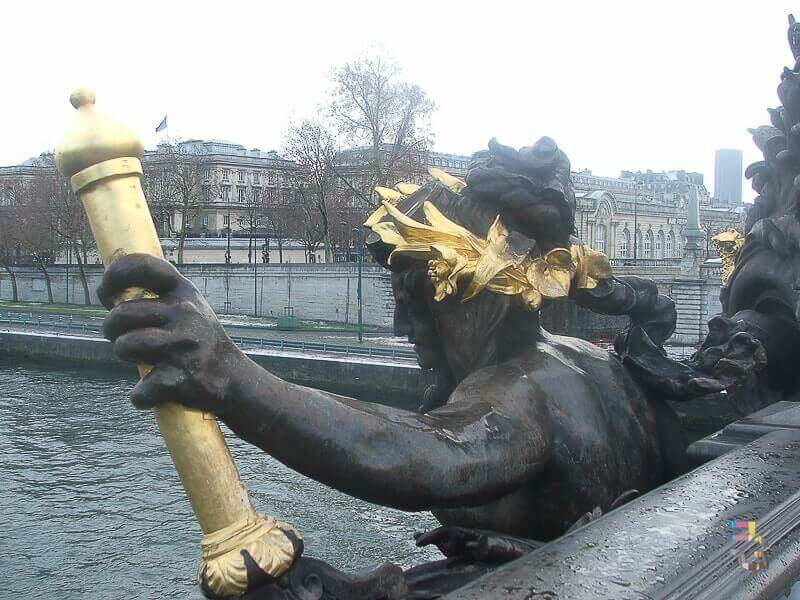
469 267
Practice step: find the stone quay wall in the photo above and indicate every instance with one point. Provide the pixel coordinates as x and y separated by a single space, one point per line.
394 383
327 292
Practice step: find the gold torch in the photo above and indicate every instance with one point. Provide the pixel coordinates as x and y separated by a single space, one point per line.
101 159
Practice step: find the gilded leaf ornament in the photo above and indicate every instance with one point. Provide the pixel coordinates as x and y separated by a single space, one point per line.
455 253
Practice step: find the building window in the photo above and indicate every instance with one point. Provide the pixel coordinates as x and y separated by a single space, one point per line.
648 245
226 220
271 177
600 237
637 244
240 176
241 192
206 174
669 245
256 178
624 244
226 193
205 221
226 174
660 245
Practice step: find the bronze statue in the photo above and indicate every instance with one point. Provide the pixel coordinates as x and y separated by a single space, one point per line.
760 298
523 435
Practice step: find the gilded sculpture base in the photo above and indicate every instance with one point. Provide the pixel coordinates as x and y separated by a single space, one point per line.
270 544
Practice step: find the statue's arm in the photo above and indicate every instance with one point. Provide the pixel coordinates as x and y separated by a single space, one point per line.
465 453
485 442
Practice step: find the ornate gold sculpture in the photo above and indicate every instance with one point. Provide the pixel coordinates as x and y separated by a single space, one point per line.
455 253
728 243
403 190
101 158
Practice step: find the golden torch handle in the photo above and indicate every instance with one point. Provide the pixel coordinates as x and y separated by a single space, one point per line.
101 158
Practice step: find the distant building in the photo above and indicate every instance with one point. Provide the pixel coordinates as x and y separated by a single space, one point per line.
638 214
642 215
728 176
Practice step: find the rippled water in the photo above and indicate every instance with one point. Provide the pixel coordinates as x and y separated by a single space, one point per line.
91 507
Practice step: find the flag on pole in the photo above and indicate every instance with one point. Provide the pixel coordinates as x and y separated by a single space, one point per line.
162 125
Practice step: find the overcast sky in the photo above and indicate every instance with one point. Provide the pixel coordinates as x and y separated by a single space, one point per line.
619 85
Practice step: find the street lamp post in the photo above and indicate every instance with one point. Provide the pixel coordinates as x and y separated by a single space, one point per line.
636 222
359 232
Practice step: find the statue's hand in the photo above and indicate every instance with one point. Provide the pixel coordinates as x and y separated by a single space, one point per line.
177 333
475 544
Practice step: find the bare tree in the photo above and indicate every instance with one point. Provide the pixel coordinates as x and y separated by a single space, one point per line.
385 118
66 219
313 148
279 221
250 218
36 239
307 223
10 242
179 184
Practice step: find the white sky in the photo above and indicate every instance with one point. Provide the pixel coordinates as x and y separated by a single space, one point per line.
619 85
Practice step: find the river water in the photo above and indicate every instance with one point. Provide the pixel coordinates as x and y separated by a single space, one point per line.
91 507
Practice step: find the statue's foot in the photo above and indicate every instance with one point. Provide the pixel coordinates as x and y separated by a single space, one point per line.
311 579
597 512
476 544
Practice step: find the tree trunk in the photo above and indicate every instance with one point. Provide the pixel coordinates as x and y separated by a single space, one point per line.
181 238
326 234
182 234
87 299
13 277
47 284
280 250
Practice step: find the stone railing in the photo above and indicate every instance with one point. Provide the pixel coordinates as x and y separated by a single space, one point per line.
645 262
677 542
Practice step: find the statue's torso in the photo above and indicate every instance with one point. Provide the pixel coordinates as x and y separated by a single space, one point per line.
605 439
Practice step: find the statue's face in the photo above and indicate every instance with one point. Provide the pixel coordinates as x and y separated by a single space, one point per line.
447 334
412 317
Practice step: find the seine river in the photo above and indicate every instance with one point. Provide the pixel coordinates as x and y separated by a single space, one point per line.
90 506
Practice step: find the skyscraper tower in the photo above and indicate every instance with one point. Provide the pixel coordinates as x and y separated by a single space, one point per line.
728 176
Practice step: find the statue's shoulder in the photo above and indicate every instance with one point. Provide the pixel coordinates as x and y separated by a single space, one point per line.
571 351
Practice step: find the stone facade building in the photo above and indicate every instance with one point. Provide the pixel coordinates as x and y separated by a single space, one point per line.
635 217
641 216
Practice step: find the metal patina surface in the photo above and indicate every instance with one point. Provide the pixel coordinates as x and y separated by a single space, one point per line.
674 542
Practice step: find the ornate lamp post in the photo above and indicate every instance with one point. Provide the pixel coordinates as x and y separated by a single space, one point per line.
101 159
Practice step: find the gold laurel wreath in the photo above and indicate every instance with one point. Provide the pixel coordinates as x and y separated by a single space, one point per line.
455 253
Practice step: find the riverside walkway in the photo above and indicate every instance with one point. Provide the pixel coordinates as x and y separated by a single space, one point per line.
247 332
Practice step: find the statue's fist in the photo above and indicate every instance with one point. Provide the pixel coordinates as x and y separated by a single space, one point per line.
177 333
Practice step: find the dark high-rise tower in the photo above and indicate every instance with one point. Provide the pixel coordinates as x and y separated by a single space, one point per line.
728 176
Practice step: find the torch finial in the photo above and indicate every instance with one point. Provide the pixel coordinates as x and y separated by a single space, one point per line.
94 138
82 97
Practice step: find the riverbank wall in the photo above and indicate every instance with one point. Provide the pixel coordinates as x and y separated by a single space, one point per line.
394 383
390 382
328 292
